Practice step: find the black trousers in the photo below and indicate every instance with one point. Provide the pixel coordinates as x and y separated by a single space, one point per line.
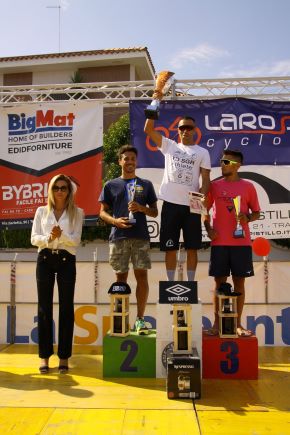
62 266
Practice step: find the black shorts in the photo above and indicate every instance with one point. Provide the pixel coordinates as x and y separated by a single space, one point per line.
174 218
231 260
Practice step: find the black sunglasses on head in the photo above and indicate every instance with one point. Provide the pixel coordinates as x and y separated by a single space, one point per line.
61 188
185 127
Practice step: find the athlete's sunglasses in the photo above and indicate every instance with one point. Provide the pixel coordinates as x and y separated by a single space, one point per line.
228 162
185 127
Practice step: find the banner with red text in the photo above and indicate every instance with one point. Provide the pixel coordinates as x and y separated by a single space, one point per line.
38 141
259 129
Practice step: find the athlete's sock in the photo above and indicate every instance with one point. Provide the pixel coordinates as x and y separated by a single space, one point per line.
190 275
170 274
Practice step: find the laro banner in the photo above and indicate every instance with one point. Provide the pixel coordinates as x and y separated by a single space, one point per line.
259 129
39 141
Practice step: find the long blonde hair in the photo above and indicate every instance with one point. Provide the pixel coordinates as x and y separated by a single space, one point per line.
69 204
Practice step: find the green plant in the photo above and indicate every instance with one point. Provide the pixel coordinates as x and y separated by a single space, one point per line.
117 135
76 77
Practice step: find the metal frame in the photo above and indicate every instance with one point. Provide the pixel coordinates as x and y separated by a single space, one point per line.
119 93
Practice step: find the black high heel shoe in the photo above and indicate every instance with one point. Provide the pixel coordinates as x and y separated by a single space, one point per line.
44 369
63 369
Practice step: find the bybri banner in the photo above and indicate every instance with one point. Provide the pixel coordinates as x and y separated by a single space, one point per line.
39 141
259 129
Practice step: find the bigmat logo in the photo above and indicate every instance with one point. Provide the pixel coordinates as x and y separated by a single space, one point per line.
44 131
42 121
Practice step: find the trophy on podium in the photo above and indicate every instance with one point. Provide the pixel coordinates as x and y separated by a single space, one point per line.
131 187
164 81
239 232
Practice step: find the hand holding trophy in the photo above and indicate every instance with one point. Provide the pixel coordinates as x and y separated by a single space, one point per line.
163 82
239 232
131 187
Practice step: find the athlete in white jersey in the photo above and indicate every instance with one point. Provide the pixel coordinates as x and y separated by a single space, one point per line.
185 163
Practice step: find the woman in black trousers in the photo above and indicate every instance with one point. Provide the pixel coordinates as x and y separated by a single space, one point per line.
56 231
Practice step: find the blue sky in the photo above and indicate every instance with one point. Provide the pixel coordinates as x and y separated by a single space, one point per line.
195 38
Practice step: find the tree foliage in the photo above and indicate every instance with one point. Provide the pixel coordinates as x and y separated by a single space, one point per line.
117 135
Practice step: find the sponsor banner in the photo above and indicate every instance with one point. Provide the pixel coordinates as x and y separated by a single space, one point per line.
260 129
270 323
40 141
178 292
273 188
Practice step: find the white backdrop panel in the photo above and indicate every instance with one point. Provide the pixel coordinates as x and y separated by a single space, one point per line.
5 282
3 323
279 282
26 290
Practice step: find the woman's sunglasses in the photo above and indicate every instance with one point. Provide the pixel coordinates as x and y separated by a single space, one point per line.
61 188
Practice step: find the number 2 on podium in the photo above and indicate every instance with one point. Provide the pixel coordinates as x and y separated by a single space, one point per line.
132 347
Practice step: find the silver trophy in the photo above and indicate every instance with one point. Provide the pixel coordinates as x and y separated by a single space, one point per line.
239 232
131 187
164 81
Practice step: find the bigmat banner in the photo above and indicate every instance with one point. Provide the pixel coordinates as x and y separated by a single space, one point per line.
39 141
259 129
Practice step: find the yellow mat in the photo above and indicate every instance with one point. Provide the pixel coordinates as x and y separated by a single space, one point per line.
82 402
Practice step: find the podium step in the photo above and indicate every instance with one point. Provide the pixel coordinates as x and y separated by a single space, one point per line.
229 358
133 356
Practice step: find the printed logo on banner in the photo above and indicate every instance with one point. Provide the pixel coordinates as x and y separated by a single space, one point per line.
40 141
260 129
37 137
45 131
176 292
166 352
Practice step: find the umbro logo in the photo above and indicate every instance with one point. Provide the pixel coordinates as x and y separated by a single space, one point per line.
178 290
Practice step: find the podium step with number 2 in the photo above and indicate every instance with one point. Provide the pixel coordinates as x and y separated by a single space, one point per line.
133 356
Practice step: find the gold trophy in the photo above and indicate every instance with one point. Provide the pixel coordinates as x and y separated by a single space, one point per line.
163 81
239 232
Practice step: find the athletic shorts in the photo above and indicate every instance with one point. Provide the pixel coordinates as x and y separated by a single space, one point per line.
174 218
124 250
231 260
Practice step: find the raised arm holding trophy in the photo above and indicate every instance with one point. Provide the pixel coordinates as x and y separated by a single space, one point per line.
164 81
179 179
235 204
